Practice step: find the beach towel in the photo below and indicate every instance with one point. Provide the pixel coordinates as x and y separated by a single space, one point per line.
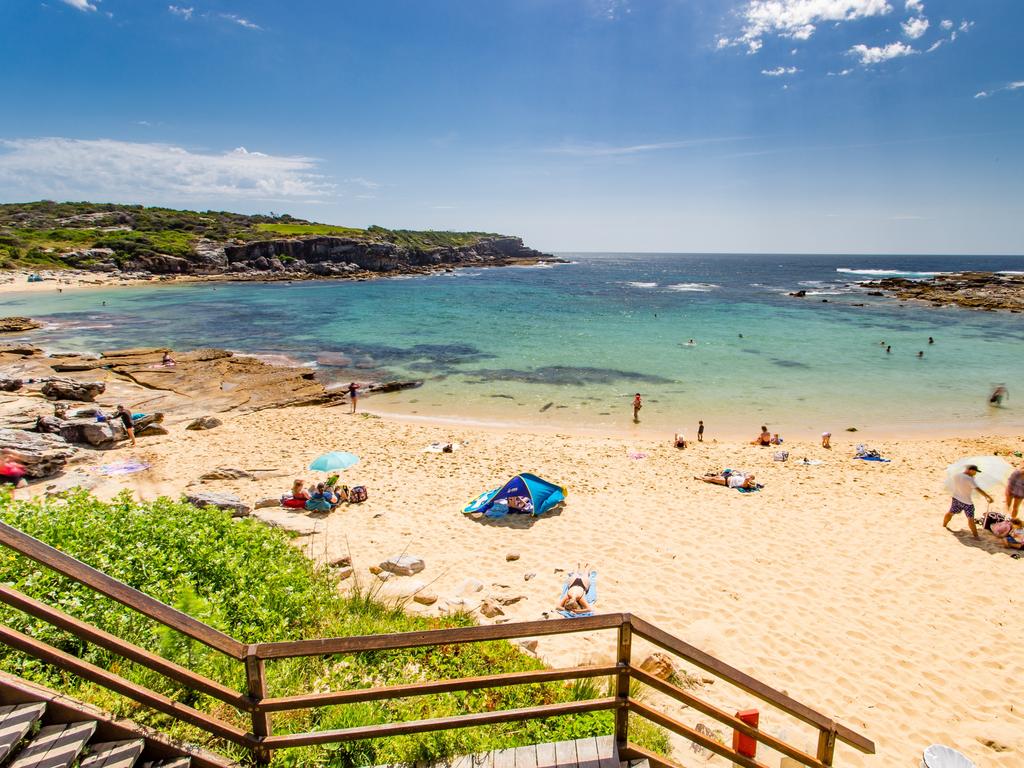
126 467
755 489
871 458
439 447
591 597
811 462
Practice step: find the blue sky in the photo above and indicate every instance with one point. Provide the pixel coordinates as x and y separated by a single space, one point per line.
831 126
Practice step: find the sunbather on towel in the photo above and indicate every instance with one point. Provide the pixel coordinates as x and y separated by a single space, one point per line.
730 479
1015 538
575 598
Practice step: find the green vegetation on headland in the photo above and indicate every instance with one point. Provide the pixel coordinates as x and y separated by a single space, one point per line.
248 581
34 235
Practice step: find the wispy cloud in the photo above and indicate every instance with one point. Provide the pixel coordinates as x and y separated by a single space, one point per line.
948 25
240 21
81 5
178 10
914 6
780 71
915 27
1016 85
74 169
610 10
876 54
796 19
359 181
606 150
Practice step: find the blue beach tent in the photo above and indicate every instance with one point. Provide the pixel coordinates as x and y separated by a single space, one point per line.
540 495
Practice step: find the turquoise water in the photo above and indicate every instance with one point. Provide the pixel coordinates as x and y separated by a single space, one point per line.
567 346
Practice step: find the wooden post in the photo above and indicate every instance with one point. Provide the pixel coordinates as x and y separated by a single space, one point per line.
256 679
827 745
622 685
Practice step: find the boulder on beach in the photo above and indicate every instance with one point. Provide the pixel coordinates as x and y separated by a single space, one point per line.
403 565
205 422
69 389
10 385
41 455
226 501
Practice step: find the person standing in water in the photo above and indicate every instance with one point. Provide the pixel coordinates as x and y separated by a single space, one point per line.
999 394
638 403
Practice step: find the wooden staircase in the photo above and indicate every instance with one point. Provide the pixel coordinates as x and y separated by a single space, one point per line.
40 728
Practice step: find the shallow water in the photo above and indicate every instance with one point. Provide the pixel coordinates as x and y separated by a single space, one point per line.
567 346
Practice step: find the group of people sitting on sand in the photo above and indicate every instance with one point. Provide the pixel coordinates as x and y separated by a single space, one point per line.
766 438
322 497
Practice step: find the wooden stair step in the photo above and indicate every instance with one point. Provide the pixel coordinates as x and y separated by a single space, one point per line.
174 762
55 746
15 722
113 754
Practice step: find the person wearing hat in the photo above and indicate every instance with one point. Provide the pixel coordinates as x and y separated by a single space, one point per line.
964 486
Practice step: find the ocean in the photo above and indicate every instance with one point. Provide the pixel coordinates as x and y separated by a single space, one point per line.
567 346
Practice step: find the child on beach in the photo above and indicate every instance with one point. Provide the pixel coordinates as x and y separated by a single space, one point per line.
700 431
826 439
637 405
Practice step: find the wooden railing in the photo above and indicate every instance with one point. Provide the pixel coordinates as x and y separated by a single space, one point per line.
260 740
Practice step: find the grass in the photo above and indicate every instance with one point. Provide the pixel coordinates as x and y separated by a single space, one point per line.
312 229
248 581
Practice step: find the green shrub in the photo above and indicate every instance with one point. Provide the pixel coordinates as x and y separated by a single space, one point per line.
247 580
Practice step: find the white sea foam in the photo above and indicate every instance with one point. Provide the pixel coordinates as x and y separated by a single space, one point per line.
889 272
692 287
1010 272
642 285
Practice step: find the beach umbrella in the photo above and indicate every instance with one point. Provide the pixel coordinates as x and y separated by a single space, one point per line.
993 472
335 460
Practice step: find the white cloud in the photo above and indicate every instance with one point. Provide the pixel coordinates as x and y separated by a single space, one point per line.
240 21
185 13
946 24
610 9
914 28
914 6
779 71
876 54
606 150
81 5
77 169
841 73
798 19
1016 85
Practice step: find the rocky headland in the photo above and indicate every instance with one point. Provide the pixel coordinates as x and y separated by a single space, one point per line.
134 243
973 290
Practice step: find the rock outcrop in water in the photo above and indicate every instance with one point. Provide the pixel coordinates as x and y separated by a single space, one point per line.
974 290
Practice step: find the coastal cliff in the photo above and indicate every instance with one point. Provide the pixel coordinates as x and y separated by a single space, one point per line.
134 241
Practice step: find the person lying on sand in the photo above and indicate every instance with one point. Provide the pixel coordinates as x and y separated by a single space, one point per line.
575 599
679 441
730 479
764 439
1015 538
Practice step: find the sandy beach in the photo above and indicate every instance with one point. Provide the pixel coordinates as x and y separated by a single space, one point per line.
836 583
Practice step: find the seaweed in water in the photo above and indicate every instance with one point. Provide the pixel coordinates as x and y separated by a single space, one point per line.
788 363
565 375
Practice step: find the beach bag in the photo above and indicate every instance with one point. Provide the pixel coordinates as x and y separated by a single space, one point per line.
991 518
781 455
357 495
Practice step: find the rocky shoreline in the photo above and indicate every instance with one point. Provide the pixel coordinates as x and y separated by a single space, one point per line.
990 291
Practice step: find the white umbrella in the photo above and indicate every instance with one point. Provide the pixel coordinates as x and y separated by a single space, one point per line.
993 472
940 756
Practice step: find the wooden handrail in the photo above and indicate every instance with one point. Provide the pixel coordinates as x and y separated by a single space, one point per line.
119 591
749 684
440 723
310 700
689 733
91 634
94 674
360 643
724 717
261 741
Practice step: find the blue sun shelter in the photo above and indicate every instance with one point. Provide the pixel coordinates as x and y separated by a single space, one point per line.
523 494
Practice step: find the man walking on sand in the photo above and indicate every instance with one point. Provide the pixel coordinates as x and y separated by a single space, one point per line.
1015 492
637 405
964 486
353 394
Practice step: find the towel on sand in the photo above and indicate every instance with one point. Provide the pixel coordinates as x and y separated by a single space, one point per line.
591 597
871 458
